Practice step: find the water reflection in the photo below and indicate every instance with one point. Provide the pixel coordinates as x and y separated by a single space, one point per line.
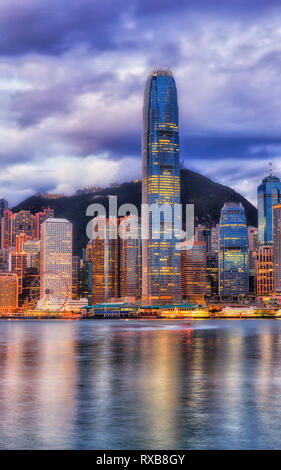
140 384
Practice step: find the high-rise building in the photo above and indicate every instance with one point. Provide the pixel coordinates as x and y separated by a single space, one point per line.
3 208
105 264
56 258
18 265
215 239
7 229
212 274
160 185
8 292
269 194
277 246
32 248
203 234
193 272
23 222
130 260
253 254
75 276
233 251
265 270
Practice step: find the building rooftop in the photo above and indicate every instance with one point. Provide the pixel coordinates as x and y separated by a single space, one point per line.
56 220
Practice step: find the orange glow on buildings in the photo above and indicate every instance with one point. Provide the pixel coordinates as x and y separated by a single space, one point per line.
265 270
8 292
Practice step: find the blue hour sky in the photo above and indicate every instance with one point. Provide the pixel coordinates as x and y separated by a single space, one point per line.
72 74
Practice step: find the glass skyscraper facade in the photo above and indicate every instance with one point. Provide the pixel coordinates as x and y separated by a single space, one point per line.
233 251
160 185
269 194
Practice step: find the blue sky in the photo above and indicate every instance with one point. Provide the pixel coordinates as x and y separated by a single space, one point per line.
72 75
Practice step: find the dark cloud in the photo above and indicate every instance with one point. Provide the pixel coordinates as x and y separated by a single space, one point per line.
72 75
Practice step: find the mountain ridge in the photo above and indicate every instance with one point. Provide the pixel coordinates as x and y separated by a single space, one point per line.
207 196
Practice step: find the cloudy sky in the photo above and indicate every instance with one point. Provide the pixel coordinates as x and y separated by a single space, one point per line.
72 74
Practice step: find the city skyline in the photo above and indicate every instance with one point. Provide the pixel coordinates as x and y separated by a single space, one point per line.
56 76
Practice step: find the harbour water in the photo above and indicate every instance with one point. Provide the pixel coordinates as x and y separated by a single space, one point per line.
140 384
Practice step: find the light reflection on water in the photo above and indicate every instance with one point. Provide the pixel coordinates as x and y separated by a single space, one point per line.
211 384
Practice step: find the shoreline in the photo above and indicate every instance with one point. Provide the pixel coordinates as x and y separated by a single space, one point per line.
74 318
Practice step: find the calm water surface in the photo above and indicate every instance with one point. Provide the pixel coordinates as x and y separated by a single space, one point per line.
212 384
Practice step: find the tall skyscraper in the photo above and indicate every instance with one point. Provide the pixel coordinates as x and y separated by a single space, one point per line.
212 274
265 270
75 276
193 272
7 229
56 258
269 194
105 264
277 246
160 185
233 251
130 260
3 208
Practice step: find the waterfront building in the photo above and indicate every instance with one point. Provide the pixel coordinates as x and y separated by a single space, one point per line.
193 271
40 217
30 288
265 270
233 251
277 246
8 292
269 194
56 258
130 260
105 263
160 185
114 310
85 287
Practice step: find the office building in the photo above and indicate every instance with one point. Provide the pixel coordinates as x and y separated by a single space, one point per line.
56 258
193 272
277 246
269 194
105 264
160 185
233 251
8 292
265 270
